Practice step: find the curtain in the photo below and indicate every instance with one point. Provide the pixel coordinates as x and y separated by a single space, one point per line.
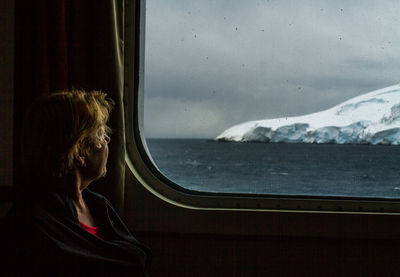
72 44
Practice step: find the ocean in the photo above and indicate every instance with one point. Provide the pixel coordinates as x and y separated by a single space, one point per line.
280 168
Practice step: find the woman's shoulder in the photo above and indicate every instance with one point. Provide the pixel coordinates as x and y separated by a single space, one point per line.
94 196
96 199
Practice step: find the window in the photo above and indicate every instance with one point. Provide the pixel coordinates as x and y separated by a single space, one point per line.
210 65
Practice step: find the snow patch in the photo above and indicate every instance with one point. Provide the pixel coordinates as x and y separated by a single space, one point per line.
372 118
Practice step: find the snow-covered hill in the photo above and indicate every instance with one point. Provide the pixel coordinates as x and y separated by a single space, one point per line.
372 118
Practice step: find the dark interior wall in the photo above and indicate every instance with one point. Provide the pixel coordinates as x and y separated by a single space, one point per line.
189 255
6 90
190 242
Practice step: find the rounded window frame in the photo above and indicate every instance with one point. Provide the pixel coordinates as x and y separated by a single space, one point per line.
140 163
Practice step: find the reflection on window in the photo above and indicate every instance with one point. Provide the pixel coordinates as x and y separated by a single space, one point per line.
275 97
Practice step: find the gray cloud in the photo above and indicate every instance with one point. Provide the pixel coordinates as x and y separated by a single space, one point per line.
212 64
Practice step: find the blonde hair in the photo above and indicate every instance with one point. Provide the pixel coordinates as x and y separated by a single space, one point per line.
59 126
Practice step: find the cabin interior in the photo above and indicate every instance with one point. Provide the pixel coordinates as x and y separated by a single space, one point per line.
53 45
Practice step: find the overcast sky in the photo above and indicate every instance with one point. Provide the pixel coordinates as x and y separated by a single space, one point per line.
212 64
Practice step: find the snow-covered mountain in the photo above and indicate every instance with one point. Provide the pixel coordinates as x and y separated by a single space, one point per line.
372 118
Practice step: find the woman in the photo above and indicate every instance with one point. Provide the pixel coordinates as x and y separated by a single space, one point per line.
58 227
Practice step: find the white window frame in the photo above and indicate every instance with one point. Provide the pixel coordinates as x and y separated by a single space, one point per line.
140 163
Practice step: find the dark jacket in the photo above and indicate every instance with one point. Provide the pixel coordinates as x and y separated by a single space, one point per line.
43 237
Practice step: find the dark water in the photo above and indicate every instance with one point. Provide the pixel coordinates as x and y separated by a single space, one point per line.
283 169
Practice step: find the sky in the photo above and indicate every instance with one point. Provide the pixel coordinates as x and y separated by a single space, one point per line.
210 65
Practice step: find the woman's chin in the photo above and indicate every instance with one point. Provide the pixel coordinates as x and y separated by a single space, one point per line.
104 173
101 175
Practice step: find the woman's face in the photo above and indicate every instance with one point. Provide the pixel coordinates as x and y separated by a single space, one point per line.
96 160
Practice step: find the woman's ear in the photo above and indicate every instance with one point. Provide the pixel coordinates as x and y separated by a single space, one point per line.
80 161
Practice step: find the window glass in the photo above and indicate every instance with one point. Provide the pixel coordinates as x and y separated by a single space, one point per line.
276 97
